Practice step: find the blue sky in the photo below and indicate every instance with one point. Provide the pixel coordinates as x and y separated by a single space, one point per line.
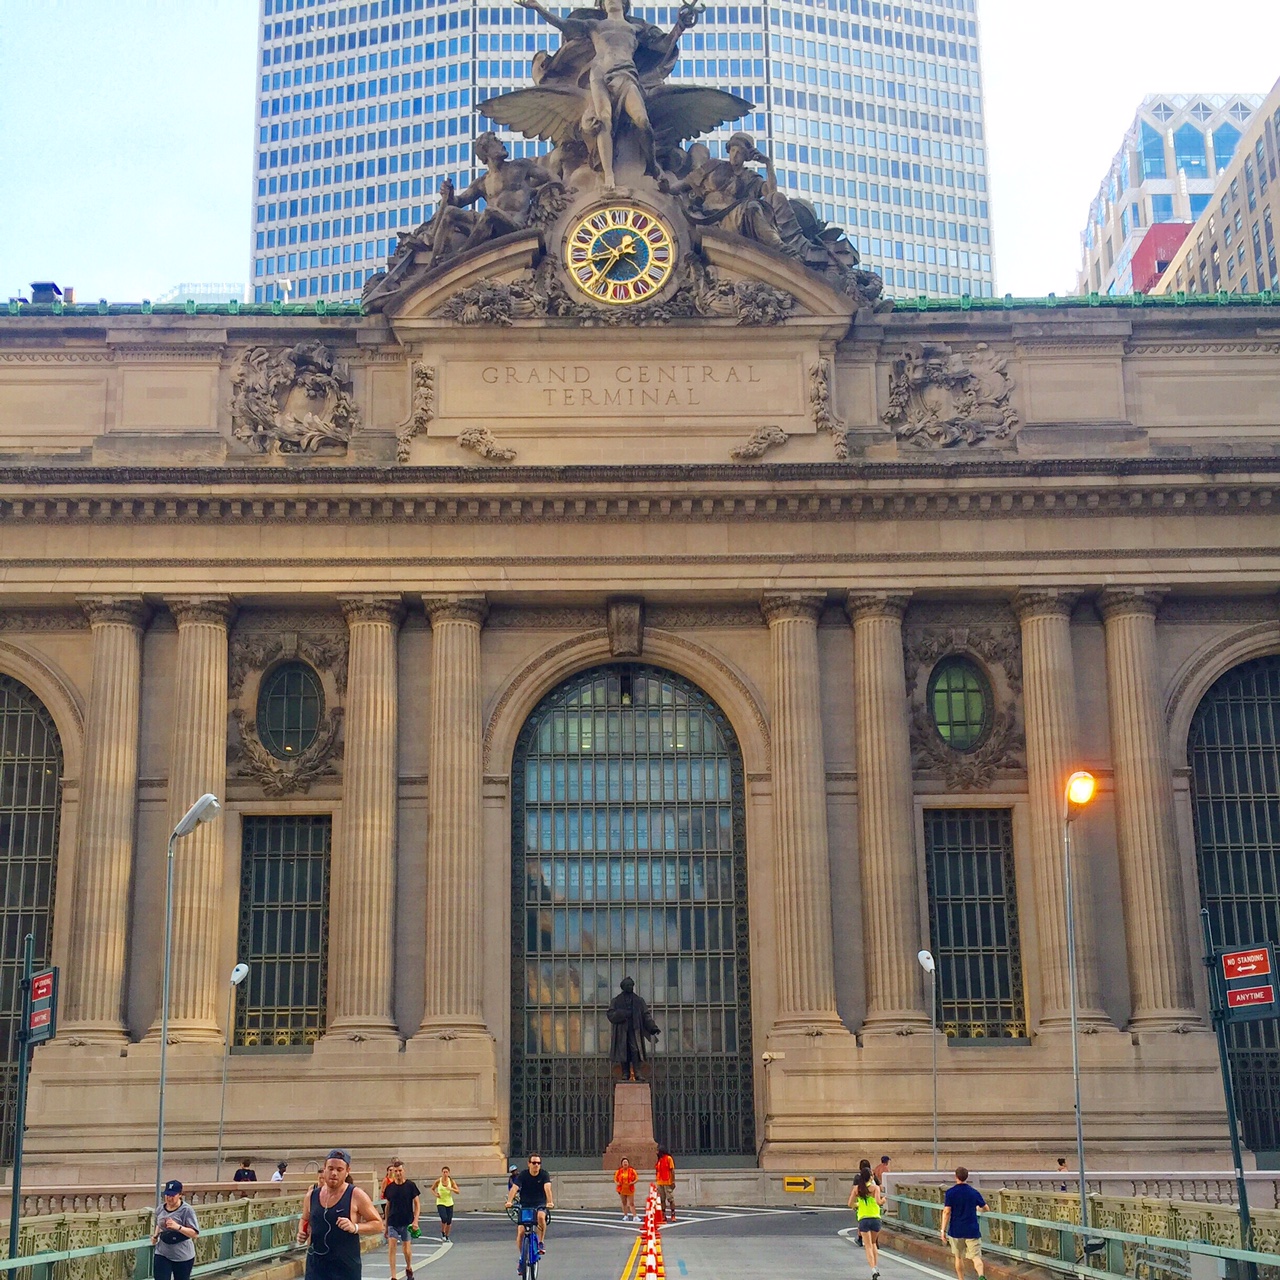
126 128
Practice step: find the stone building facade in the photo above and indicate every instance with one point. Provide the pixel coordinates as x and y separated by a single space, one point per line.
748 650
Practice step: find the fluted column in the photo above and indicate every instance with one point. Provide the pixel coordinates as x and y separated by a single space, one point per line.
1049 709
364 868
886 817
1150 874
197 764
806 968
455 924
104 856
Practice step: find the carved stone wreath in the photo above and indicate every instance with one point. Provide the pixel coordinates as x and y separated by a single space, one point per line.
939 399
295 401
260 641
422 409
700 291
994 644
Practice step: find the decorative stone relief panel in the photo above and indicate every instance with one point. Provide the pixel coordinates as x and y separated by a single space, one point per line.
262 641
988 636
941 399
296 400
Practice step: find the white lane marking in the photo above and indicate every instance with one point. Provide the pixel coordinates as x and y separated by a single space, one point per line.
849 1232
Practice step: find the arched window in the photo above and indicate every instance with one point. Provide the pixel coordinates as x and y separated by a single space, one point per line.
959 700
1188 152
290 706
1152 147
30 805
1234 753
1226 137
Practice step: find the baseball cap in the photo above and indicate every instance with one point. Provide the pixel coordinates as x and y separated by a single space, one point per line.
173 1188
339 1154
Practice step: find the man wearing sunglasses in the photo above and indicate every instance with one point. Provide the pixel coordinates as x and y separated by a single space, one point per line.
533 1186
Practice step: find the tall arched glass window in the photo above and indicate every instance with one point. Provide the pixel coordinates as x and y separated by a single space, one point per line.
1226 138
629 859
30 805
1188 152
1234 753
1151 145
290 706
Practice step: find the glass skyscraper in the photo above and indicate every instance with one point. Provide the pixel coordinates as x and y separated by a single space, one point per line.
871 111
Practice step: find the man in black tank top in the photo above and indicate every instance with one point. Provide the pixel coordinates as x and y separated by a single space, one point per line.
334 1217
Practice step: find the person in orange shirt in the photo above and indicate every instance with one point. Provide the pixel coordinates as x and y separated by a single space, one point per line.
625 1181
665 1177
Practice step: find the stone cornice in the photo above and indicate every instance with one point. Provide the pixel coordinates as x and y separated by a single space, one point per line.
623 495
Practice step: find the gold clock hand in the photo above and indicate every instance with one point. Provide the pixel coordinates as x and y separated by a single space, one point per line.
613 256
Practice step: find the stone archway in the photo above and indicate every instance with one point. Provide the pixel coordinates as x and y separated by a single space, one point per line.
629 857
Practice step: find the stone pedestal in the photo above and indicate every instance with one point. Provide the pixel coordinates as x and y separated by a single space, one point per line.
632 1126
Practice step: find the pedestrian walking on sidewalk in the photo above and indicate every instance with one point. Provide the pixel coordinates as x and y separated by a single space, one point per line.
174 1236
867 1200
625 1181
444 1189
665 1177
335 1214
960 1208
404 1202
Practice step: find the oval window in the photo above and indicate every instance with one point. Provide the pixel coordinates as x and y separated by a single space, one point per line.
960 702
289 709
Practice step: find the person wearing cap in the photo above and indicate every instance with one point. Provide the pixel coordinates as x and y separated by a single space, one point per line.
174 1235
278 1176
335 1214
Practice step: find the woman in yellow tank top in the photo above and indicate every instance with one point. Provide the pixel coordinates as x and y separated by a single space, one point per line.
445 1189
867 1199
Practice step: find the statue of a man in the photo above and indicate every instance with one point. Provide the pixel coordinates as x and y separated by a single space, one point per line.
632 1025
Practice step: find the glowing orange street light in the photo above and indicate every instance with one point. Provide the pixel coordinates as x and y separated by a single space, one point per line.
1081 788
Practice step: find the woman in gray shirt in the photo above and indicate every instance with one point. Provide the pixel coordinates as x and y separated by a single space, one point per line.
174 1236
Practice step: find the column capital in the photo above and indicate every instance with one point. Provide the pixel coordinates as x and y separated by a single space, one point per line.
1044 602
876 604
778 606
218 610
372 608
1121 601
456 609
130 611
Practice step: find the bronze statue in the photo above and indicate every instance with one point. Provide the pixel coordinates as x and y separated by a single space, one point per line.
632 1025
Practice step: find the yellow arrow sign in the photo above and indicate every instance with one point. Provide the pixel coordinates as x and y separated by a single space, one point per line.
799 1183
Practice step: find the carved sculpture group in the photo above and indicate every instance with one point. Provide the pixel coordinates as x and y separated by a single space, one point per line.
603 101
294 401
939 398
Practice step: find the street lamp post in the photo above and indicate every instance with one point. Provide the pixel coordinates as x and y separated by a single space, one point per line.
238 975
928 965
1079 791
202 811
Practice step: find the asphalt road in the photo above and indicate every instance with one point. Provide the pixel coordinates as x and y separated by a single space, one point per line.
703 1244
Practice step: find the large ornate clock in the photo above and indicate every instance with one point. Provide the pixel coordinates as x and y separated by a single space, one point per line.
620 254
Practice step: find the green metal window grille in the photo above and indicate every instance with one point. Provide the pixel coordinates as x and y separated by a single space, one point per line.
284 930
30 805
960 702
1234 753
629 858
973 923
290 708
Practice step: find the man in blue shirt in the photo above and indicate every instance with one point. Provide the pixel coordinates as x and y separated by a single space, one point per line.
960 1208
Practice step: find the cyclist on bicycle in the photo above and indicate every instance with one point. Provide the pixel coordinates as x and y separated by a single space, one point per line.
533 1187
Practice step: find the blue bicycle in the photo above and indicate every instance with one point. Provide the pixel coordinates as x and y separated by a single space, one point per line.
530 1244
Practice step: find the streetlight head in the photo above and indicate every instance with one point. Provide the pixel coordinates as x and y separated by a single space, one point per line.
1081 788
239 974
926 960
202 811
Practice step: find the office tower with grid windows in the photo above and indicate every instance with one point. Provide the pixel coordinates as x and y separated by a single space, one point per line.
871 111
1158 184
1232 247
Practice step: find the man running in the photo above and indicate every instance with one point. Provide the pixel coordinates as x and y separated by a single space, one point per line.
533 1186
334 1216
404 1201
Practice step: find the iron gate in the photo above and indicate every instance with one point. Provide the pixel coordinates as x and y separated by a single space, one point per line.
1234 749
629 857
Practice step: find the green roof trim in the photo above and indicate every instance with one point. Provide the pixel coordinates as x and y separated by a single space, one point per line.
1009 303
232 308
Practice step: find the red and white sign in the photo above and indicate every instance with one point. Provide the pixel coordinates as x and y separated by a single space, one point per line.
1246 964
1251 997
42 987
40 1018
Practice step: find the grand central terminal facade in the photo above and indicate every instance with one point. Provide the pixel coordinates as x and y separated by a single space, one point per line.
623 593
